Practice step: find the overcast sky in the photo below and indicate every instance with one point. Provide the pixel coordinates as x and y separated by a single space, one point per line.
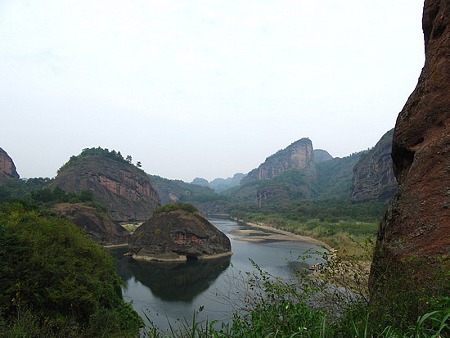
201 88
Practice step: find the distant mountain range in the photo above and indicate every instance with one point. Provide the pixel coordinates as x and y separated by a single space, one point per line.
297 172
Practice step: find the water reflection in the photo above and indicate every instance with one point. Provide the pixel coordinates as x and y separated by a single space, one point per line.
178 282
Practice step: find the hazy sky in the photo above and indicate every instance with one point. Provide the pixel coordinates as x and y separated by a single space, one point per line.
201 88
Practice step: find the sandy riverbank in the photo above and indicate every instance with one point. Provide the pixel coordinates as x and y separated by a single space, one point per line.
263 232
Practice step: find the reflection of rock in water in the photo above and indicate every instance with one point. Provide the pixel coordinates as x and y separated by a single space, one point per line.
121 262
178 282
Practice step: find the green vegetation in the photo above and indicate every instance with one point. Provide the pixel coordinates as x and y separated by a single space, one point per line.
87 152
307 307
343 225
176 206
55 281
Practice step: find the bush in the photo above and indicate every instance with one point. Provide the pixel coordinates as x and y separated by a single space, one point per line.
176 206
50 267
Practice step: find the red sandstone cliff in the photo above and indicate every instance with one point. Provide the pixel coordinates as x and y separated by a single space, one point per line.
123 189
415 233
7 167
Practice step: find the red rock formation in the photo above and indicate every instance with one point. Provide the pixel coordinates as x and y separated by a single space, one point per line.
415 233
298 156
123 189
177 236
7 167
373 175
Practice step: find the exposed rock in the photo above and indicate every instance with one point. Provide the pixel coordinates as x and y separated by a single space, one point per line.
98 225
177 236
288 174
414 236
7 168
373 175
298 156
321 155
125 190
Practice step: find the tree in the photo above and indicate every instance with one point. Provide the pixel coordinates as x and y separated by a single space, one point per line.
129 159
138 164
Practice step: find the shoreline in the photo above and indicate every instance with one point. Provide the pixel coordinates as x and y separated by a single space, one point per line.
280 235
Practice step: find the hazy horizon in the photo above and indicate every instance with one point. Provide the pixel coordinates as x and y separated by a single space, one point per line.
201 88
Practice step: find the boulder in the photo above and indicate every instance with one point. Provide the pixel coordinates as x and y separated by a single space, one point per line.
178 235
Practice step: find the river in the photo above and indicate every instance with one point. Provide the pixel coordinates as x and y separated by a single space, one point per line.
212 290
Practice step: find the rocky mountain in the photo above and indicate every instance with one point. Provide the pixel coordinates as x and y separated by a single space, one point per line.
7 168
321 155
288 174
97 225
125 190
179 235
373 175
297 156
414 236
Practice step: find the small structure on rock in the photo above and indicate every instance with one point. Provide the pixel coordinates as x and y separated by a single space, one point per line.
178 232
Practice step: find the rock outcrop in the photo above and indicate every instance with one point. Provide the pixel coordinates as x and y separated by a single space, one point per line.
298 156
125 190
414 237
178 236
373 175
7 168
97 225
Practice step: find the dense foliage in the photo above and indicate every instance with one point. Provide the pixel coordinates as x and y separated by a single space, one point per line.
176 206
102 152
53 273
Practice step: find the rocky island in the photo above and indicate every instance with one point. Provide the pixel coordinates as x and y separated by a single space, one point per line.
178 232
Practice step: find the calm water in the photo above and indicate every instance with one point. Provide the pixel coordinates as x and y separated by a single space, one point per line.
172 293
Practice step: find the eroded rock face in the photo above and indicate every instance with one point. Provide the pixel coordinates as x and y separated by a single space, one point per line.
373 175
97 225
7 167
415 233
177 236
298 156
123 189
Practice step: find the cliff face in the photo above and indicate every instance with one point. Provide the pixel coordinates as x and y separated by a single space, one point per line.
97 225
298 156
373 175
288 174
7 167
415 233
123 189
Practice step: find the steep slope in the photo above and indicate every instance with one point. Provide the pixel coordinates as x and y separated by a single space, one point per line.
288 174
125 190
7 168
335 176
297 156
414 237
373 175
97 225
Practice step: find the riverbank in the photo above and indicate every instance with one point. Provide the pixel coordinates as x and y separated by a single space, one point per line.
271 233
